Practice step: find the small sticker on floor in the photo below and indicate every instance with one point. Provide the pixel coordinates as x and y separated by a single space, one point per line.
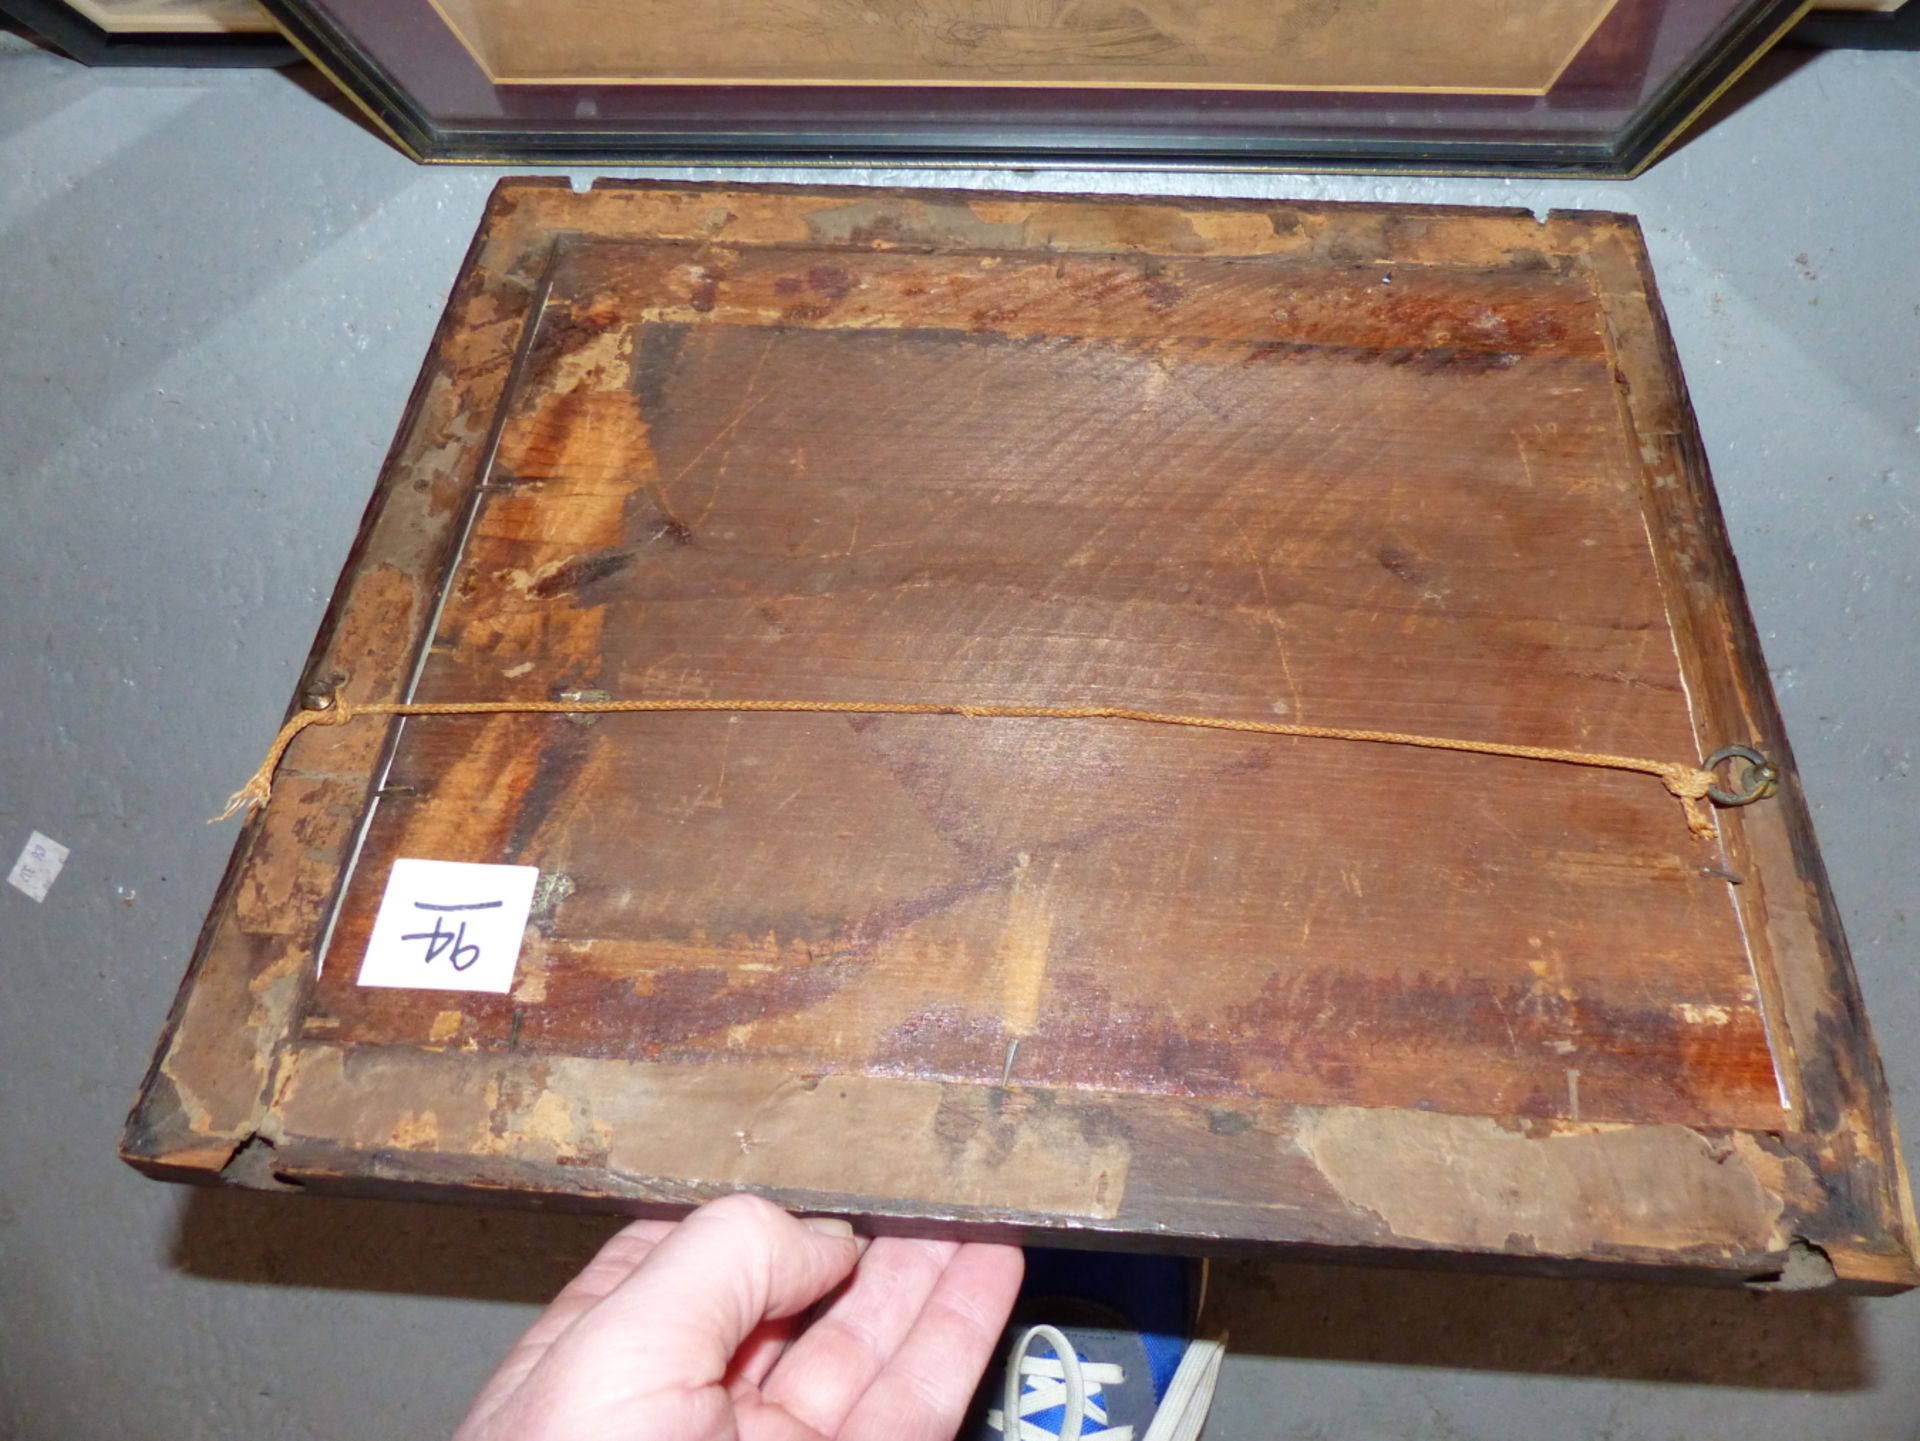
449 926
38 867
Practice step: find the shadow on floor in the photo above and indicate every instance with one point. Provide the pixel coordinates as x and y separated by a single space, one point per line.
1609 1330
1821 30
1768 71
405 1248
307 76
1859 30
1593 1329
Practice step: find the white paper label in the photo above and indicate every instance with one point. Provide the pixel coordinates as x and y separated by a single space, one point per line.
449 926
38 867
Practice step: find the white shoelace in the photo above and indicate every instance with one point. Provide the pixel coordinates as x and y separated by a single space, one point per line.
1037 1384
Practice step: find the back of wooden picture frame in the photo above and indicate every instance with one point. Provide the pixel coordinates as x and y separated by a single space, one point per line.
1402 469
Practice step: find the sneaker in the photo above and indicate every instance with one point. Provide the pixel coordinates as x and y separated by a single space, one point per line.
1105 1348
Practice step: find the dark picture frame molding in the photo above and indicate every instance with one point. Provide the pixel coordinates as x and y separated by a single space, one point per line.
71 33
861 125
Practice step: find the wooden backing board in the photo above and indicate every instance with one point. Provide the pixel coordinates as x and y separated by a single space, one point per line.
1409 469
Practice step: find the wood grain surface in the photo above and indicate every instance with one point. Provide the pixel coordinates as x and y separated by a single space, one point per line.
1317 491
1083 981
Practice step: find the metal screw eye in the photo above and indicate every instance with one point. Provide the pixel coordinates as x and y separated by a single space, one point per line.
1759 780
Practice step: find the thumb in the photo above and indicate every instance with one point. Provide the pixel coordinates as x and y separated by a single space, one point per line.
729 1266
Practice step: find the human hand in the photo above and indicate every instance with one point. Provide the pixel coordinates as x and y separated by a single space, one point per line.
691 1331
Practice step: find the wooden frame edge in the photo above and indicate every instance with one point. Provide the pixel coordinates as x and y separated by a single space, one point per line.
1832 1076
77 37
1663 120
1841 1188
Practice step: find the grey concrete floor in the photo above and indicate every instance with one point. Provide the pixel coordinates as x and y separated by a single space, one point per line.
217 290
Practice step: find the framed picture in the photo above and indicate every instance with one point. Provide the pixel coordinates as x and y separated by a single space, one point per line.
155 32
1582 86
908 701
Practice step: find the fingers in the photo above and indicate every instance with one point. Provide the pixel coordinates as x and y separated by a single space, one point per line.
759 1353
685 1331
830 1367
923 1392
712 1281
614 1262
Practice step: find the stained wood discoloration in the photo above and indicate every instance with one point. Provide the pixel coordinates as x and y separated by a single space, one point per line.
1468 1182
1420 470
879 497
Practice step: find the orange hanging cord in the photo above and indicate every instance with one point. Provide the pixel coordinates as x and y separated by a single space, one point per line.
1690 784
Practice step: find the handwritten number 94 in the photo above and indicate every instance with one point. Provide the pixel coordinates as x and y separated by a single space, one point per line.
460 953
